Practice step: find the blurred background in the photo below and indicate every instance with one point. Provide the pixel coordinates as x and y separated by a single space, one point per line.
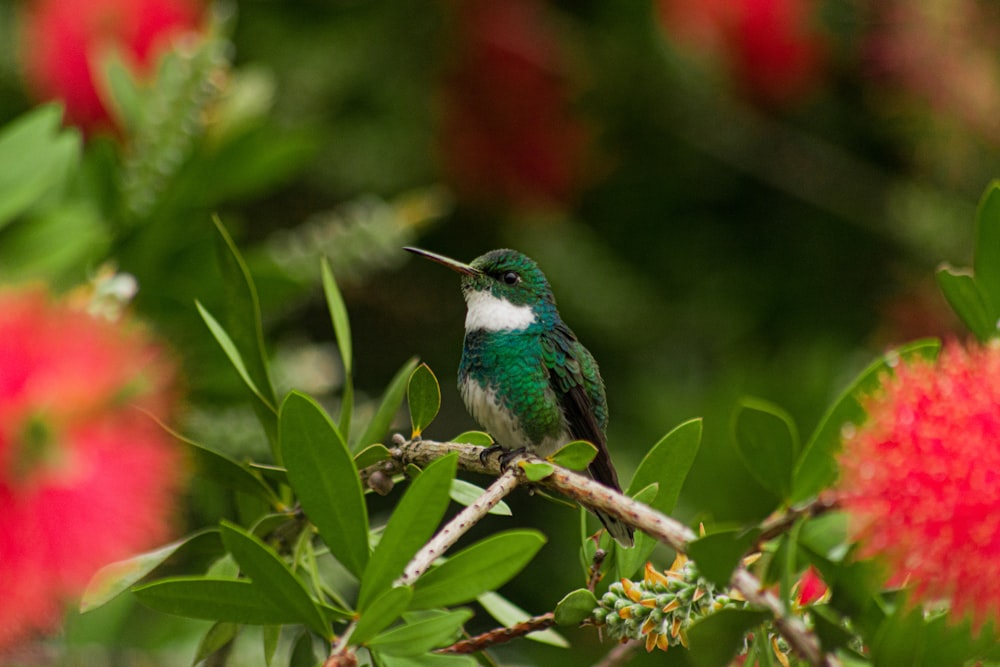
729 197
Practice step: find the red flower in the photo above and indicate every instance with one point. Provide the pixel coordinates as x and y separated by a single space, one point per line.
771 48
811 587
63 41
921 478
508 134
86 475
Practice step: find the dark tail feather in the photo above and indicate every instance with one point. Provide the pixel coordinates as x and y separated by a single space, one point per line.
622 532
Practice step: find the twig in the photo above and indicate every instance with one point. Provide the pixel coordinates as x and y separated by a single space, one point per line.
597 496
458 526
501 635
777 524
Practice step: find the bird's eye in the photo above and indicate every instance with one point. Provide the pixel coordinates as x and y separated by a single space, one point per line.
511 278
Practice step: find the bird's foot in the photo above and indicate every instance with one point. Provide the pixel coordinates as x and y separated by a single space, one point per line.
509 455
487 451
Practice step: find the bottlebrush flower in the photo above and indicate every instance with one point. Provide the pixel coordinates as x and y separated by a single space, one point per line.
508 133
62 43
810 588
86 475
921 478
772 49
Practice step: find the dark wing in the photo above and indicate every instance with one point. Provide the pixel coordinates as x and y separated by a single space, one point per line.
577 382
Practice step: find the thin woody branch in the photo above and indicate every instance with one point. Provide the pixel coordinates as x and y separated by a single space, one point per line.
597 496
501 635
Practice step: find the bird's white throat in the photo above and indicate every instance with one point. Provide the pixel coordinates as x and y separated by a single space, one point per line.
488 312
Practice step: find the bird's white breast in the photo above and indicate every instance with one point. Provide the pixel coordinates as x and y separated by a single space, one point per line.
488 312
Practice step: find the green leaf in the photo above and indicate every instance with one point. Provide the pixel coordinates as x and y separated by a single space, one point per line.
986 257
271 635
628 561
115 578
303 653
466 493
964 296
231 600
421 636
218 636
478 438
370 456
816 468
424 397
428 660
322 473
387 409
575 607
575 455
484 566
715 639
229 347
219 468
536 472
509 614
382 613
667 465
718 554
338 316
767 442
37 156
271 575
243 321
52 242
412 523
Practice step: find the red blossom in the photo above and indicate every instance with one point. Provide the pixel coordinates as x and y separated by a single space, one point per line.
508 133
62 43
86 475
921 478
811 587
772 49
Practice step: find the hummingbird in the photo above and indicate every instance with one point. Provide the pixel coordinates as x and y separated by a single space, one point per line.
524 375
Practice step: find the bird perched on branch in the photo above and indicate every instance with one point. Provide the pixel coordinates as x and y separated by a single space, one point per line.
524 375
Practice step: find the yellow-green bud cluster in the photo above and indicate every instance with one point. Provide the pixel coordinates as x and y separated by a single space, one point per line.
659 608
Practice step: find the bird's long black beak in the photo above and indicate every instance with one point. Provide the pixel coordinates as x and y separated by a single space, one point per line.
452 264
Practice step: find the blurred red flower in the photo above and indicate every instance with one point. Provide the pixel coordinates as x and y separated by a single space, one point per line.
921 478
810 587
773 49
508 132
86 475
62 43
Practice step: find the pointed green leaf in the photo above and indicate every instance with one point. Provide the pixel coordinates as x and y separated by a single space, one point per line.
964 296
271 635
768 443
816 468
218 636
243 320
219 468
986 257
427 660
714 640
422 635
271 575
412 523
322 473
536 472
382 613
509 614
478 438
575 455
303 652
466 493
718 554
115 578
667 465
424 397
370 456
37 156
231 600
387 409
628 561
229 347
484 566
338 316
575 607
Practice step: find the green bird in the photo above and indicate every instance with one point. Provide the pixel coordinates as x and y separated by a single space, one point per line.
524 375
